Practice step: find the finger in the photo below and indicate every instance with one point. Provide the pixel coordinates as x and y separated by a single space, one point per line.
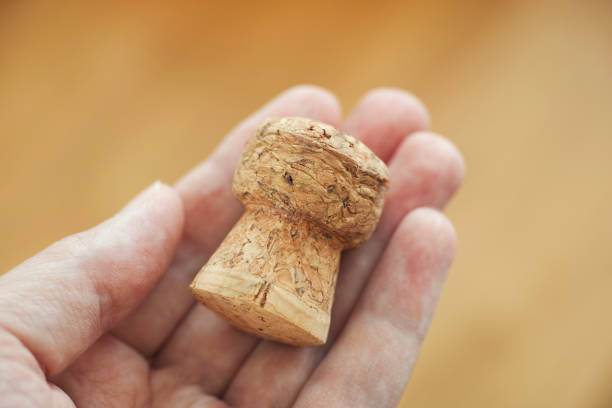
426 171
60 301
93 381
371 362
22 382
204 352
384 117
211 210
422 160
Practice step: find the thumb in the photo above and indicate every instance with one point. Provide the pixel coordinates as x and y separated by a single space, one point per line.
60 301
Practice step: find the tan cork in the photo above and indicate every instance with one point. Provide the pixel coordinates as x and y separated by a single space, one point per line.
310 191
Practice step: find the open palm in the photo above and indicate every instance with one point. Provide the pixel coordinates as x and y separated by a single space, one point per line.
105 318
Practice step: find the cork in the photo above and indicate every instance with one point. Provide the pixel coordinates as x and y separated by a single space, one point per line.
309 191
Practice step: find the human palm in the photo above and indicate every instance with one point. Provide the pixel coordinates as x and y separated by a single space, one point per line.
105 318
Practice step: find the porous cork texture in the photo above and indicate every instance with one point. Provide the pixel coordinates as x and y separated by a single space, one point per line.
310 191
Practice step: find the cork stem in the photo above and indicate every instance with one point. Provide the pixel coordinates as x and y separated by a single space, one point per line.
274 275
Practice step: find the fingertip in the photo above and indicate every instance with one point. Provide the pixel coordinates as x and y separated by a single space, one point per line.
159 208
314 102
132 250
406 103
156 224
430 234
384 117
169 210
446 153
429 168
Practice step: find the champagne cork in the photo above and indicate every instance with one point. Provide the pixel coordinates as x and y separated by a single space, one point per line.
309 192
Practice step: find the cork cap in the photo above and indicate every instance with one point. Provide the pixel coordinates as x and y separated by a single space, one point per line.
307 169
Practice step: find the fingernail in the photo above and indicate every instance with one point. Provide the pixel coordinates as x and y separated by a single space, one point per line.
156 185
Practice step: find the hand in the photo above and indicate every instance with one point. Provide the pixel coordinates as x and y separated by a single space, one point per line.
105 318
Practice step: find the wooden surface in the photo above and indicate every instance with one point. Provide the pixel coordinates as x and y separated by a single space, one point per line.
98 101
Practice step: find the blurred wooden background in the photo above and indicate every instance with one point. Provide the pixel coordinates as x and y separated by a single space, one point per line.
97 101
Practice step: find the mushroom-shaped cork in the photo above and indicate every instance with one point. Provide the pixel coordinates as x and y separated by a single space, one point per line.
310 191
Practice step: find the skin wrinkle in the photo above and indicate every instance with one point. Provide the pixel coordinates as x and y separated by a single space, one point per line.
146 259
214 324
12 348
49 361
112 372
82 286
25 371
16 375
